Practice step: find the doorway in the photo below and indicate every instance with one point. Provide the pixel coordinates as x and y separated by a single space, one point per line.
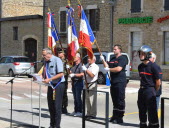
31 50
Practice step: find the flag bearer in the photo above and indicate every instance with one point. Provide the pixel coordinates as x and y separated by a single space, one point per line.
116 66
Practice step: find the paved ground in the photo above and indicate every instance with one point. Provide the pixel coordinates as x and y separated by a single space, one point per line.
26 106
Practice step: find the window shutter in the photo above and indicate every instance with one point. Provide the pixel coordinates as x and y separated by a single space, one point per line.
97 19
166 5
92 19
63 21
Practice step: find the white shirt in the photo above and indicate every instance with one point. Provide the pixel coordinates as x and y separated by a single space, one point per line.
95 70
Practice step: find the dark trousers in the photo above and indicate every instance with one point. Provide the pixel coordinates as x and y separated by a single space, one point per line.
117 91
77 87
55 106
147 104
65 97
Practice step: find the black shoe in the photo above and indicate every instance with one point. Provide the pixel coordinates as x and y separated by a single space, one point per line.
117 121
143 126
52 126
90 117
112 119
86 116
64 111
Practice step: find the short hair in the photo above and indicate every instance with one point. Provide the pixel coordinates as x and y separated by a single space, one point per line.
78 55
119 46
93 58
48 50
60 50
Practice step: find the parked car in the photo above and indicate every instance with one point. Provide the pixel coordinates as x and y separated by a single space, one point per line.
107 57
14 65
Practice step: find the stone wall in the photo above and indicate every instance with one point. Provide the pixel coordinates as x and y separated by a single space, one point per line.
103 36
11 8
31 28
152 33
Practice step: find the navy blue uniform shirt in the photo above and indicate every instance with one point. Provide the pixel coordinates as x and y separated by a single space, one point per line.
115 62
148 73
159 92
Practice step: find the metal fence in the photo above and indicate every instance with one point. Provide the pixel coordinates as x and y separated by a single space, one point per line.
106 119
162 110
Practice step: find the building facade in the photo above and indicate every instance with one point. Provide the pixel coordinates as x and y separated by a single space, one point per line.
21 28
12 8
131 23
143 22
99 14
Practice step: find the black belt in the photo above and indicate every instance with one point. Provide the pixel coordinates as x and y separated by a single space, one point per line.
90 84
147 87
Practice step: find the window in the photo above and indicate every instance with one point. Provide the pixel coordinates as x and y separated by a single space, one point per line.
21 59
166 5
93 16
63 21
135 6
98 61
3 60
136 43
15 33
9 60
166 49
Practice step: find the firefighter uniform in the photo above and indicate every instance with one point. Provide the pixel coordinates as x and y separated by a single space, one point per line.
148 73
117 89
159 92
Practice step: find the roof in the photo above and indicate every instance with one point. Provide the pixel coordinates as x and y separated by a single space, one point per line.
14 56
21 18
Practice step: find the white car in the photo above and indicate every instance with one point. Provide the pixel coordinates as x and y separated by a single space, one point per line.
14 65
108 56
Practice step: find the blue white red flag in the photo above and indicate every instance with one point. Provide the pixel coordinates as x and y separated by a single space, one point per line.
53 36
86 36
73 45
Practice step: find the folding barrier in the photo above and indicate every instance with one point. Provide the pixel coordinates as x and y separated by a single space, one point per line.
162 110
106 123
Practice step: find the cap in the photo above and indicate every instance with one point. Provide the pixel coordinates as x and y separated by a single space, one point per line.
59 50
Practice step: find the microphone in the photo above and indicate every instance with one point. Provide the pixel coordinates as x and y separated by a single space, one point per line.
41 61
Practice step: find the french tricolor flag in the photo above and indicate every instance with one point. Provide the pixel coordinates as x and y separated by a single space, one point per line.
86 36
73 45
53 36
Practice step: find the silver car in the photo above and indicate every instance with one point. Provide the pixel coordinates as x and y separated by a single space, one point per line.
14 65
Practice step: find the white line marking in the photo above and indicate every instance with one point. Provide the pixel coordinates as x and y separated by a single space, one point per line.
16 97
4 99
29 96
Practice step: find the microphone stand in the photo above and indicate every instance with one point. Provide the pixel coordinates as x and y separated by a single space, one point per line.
12 81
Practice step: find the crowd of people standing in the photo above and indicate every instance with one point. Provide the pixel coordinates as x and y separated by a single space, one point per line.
56 72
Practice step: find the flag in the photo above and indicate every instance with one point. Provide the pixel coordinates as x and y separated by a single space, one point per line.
108 79
73 45
86 36
53 36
